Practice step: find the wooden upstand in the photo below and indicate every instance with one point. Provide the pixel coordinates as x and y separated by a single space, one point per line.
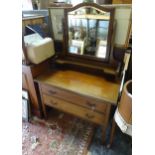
84 95
32 20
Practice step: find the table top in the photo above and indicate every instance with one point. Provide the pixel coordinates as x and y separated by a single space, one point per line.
82 83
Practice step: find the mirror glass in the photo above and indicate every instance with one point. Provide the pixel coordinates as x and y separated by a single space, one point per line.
88 29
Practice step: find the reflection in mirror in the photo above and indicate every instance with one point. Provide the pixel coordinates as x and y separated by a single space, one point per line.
88 32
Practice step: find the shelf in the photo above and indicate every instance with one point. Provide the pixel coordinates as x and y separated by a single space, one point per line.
89 16
107 70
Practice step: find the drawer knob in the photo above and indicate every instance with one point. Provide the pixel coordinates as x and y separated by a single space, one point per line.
53 102
91 105
89 116
52 92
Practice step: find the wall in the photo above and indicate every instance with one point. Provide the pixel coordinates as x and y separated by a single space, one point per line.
27 5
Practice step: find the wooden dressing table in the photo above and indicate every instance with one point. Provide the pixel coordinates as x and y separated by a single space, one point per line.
84 94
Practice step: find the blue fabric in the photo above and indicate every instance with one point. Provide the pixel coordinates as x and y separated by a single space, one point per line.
38 28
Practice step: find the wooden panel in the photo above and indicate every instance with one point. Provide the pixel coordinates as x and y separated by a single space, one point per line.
24 82
29 72
83 84
37 21
123 19
127 1
40 68
31 90
74 109
32 20
84 101
122 2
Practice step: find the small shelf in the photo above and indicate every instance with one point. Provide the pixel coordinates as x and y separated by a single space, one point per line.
107 70
89 16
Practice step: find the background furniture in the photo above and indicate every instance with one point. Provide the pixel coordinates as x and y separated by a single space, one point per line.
123 113
30 71
30 19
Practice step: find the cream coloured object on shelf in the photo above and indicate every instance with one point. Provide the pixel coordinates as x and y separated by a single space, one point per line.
38 48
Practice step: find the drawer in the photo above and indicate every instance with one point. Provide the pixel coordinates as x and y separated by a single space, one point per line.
72 97
74 109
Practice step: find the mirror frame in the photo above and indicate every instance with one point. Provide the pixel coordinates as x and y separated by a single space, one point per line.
86 58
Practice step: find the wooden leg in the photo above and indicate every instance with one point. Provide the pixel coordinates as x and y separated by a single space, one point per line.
44 111
42 103
106 123
112 133
104 135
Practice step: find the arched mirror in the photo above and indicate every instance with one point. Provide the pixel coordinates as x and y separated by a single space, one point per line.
88 32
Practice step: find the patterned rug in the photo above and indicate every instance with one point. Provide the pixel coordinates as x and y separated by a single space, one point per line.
62 134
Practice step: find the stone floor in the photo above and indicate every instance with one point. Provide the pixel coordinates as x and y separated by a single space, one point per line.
122 144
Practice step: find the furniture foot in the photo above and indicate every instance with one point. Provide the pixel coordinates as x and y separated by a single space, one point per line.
104 135
112 133
44 111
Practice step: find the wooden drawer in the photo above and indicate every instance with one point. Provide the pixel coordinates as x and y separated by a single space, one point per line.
72 97
74 109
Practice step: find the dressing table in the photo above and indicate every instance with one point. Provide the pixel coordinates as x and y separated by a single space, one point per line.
83 79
